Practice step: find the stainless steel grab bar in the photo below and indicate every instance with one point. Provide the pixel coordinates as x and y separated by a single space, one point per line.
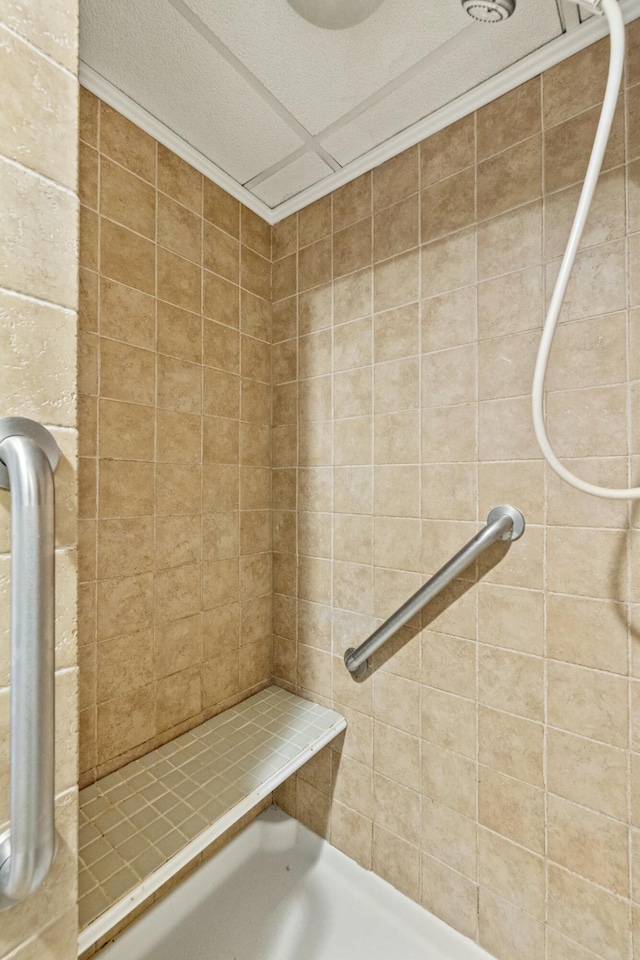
28 457
503 523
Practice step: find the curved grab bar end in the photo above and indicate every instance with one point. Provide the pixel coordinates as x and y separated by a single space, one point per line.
23 427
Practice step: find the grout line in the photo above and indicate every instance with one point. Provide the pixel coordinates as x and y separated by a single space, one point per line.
23 38
476 425
97 507
37 301
48 182
630 511
545 571
420 506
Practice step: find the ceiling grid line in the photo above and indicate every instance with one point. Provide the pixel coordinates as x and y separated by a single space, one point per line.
356 111
392 85
214 41
275 168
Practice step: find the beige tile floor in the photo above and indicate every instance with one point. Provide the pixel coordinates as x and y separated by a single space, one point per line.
138 818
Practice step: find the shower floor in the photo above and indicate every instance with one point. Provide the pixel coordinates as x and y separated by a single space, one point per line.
279 892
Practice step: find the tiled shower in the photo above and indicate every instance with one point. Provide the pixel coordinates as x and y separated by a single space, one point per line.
283 431
406 310
174 415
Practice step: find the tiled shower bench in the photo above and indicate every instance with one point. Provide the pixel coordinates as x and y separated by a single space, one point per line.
147 821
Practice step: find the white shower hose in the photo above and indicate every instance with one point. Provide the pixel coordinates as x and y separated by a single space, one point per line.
612 12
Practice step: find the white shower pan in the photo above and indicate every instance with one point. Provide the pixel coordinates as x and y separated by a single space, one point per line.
279 892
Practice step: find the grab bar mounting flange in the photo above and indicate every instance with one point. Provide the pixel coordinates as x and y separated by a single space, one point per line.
506 510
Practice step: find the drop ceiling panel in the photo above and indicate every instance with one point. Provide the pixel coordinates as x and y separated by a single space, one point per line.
280 112
456 67
153 55
296 176
319 75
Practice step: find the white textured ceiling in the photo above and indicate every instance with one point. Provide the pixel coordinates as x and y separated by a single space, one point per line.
279 104
319 75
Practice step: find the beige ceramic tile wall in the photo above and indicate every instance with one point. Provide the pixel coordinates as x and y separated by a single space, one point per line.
489 769
175 487
38 301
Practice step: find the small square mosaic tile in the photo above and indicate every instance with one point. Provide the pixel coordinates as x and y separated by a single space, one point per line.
138 818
